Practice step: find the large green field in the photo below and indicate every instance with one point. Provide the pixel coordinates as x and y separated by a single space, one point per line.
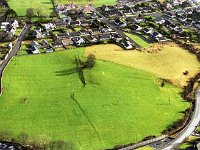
95 2
20 6
43 97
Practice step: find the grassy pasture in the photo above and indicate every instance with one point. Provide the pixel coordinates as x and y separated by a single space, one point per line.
20 6
43 97
170 63
81 2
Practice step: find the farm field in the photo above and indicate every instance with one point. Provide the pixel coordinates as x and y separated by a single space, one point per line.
20 6
138 40
170 63
94 2
43 97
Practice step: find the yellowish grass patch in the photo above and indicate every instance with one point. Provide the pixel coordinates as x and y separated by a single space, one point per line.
169 63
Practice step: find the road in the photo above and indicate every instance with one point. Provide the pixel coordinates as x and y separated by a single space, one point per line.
15 49
189 129
113 27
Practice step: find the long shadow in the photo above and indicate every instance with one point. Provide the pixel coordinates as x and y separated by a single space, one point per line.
66 72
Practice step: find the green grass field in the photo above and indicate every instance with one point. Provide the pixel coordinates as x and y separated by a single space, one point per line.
138 40
20 6
95 2
119 105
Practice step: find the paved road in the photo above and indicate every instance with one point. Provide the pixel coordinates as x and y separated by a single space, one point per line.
189 129
15 49
113 27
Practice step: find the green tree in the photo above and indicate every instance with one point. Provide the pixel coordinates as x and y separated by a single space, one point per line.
90 61
30 13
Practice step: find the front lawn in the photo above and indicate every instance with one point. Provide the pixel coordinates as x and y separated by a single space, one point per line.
138 40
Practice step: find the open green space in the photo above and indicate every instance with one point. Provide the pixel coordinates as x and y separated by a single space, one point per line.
82 2
45 7
138 40
44 97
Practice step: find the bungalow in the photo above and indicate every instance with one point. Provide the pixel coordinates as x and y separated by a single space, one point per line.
182 19
75 23
105 8
128 12
171 14
158 37
105 37
135 27
126 44
4 25
91 39
49 26
139 19
84 32
37 33
180 12
148 31
34 50
85 23
67 41
71 6
120 23
197 9
57 43
15 24
34 43
106 29
119 6
116 37
159 20
78 40
49 49
75 33
94 31
88 9
188 11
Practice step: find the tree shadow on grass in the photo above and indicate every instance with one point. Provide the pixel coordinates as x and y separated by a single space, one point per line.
46 2
66 72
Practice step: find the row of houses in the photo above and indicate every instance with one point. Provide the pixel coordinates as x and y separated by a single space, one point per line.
10 27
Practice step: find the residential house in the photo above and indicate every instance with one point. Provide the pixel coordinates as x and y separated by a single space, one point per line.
106 29
94 31
4 25
75 33
116 37
139 19
67 41
135 27
49 26
148 31
128 12
78 41
88 9
84 32
75 23
159 20
126 44
158 37
38 33
91 39
120 23
34 47
105 37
